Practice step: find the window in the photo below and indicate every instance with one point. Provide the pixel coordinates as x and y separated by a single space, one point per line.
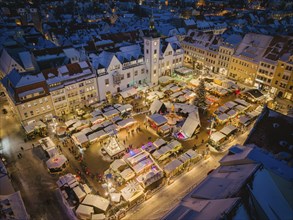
46 99
35 103
32 113
128 75
155 43
81 85
135 73
155 71
276 82
142 71
155 51
106 82
29 105
121 76
147 51
25 114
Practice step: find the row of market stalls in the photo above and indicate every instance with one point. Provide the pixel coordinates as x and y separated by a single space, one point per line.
103 123
231 110
57 162
80 200
35 128
180 164
228 131
170 114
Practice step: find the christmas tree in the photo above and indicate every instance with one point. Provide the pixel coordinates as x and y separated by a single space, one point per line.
200 100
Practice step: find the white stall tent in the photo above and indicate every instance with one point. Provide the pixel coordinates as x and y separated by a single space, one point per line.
98 217
228 129
191 124
159 142
125 108
84 211
156 106
128 92
217 137
96 201
80 194
126 122
173 165
127 174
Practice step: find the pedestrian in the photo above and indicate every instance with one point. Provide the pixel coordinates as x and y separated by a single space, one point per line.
202 141
21 148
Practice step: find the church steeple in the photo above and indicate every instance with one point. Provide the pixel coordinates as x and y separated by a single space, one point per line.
152 23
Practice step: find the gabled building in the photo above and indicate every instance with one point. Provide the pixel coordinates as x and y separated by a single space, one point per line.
71 87
123 67
28 95
245 61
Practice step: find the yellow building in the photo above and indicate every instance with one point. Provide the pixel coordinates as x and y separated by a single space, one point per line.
245 61
282 85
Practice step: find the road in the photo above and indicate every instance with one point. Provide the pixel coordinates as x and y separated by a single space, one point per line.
28 174
169 196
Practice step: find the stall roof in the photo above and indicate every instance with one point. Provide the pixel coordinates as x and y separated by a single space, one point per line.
163 150
243 119
56 161
232 113
159 142
111 113
242 102
116 164
131 191
223 117
96 201
127 174
223 109
217 136
125 108
156 106
230 104
98 217
126 122
240 108
96 112
128 93
228 129
70 122
66 180
97 135
158 119
32 126
165 79
142 165
191 124
173 165
97 119
84 210
79 192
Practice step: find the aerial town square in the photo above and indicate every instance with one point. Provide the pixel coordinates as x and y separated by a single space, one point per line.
146 109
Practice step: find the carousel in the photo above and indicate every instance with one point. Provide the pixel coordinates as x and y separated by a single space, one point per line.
56 163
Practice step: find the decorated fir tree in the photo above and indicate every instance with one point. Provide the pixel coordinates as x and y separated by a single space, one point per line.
200 100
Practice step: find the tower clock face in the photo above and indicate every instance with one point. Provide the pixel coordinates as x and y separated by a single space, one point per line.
147 42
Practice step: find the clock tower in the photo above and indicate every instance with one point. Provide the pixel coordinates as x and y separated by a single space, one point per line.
151 56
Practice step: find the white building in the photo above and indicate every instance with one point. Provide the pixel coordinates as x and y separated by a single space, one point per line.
71 87
131 65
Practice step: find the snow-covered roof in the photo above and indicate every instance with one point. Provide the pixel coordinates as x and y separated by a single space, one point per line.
96 201
191 123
